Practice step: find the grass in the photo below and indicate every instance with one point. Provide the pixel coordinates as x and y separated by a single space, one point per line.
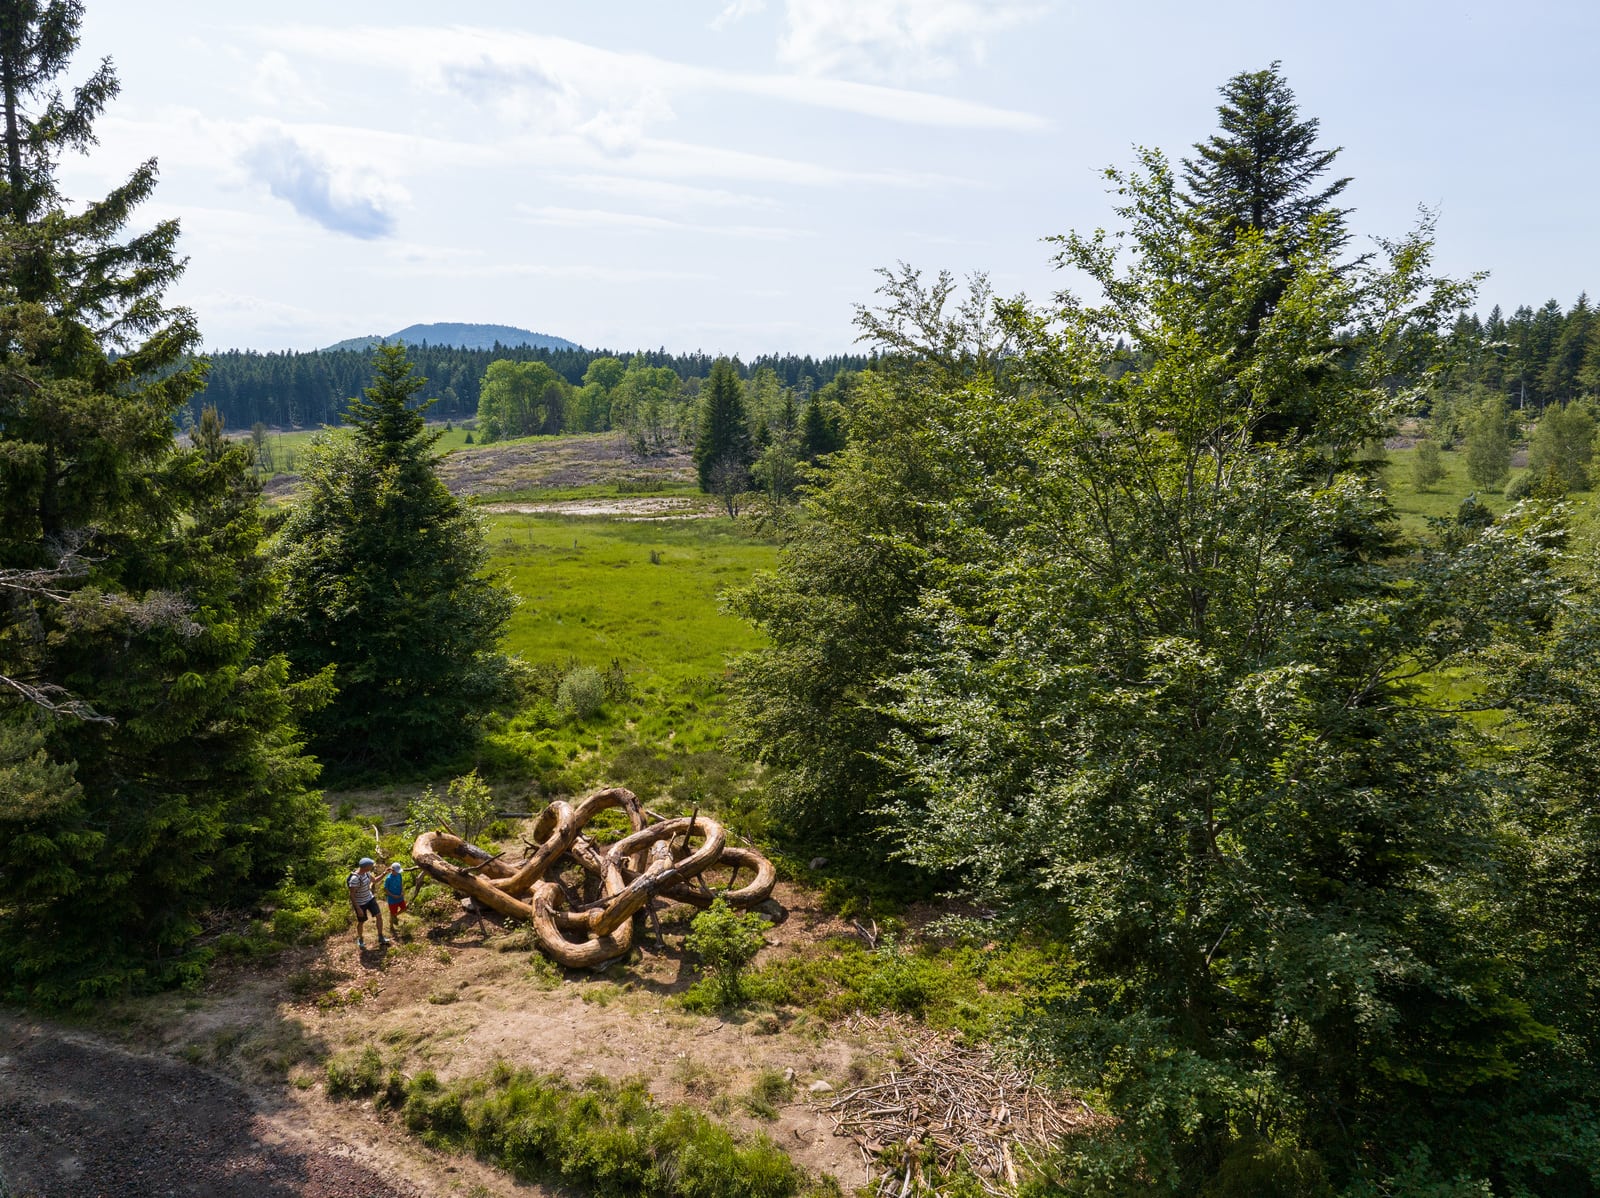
611 1139
288 448
1416 505
967 989
640 602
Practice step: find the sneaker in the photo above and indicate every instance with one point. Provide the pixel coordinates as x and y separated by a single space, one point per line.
361 944
382 943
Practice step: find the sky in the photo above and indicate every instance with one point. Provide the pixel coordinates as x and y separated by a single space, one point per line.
727 175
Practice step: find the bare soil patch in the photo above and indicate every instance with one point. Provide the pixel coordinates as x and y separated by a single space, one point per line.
551 462
221 1093
643 507
79 1117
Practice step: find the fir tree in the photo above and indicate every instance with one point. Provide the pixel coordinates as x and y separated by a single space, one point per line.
385 589
723 451
1264 171
149 767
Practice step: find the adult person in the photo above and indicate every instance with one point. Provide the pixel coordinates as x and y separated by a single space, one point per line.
360 885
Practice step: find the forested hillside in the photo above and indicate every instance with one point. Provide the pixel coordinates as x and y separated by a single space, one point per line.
303 390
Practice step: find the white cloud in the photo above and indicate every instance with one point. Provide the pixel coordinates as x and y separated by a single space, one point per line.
342 198
894 40
596 218
555 85
736 10
275 84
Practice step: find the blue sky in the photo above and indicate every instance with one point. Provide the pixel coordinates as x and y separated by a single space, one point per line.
725 175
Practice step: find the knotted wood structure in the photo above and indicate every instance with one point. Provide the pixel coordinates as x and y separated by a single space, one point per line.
580 897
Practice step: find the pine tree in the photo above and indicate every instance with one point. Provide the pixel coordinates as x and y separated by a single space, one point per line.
723 451
1258 187
1264 171
385 589
149 768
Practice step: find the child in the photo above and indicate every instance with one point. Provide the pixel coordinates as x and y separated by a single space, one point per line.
394 892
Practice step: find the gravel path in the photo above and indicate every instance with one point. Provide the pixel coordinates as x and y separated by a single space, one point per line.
80 1120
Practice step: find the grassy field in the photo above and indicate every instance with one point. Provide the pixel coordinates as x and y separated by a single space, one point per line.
637 599
1443 498
285 448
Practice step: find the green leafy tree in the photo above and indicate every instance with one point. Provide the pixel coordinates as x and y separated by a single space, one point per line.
149 764
812 706
1427 467
385 589
1163 704
1563 445
723 450
1489 444
520 399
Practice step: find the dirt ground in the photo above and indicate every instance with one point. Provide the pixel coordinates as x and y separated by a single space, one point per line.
220 1092
559 462
642 507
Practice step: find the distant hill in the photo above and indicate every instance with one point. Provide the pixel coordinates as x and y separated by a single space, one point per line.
461 336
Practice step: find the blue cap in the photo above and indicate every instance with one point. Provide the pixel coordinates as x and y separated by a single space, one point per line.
366 861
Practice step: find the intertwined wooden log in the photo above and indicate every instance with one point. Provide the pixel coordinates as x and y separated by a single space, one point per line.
658 859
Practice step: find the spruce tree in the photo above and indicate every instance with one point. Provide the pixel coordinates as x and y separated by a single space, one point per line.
149 767
1259 187
723 450
385 590
1264 171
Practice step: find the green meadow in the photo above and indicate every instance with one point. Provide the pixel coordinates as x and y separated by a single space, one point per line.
638 601
285 448
1416 506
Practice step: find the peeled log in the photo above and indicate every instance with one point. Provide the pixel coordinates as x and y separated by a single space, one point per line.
633 872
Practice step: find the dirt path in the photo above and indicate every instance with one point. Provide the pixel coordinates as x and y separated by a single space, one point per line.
220 1093
81 1118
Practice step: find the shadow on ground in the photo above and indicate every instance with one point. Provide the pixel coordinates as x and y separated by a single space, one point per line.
80 1119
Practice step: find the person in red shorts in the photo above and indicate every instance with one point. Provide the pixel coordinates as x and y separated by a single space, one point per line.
394 893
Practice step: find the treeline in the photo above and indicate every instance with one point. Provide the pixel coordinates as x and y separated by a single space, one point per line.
1536 358
304 390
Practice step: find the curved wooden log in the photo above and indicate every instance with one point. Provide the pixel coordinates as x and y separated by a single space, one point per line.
632 872
752 894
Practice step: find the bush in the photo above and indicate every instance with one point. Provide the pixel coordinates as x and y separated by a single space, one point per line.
582 692
466 808
1262 1169
355 1074
1427 467
726 942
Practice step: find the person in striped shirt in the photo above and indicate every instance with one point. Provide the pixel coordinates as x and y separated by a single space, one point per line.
361 898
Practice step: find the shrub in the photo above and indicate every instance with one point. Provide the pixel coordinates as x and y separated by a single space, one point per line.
1427 467
582 692
355 1074
726 942
466 808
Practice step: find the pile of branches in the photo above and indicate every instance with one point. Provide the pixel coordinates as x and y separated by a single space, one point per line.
947 1108
581 897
